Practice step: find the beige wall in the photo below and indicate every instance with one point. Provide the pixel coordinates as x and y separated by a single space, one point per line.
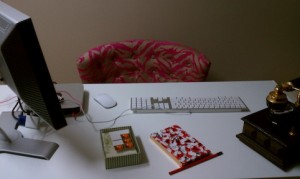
244 39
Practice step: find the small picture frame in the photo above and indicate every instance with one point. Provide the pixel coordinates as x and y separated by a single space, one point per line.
120 147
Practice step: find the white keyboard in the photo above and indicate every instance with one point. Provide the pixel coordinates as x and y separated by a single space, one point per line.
187 104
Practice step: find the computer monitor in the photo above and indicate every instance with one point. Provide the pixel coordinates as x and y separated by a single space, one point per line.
24 70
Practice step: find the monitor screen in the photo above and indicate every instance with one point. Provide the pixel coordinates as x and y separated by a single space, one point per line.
23 67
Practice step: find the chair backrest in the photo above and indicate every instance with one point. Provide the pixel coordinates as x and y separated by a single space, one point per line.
135 61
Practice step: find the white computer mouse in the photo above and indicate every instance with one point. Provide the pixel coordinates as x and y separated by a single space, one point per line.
105 100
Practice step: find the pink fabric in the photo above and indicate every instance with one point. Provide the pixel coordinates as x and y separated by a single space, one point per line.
135 61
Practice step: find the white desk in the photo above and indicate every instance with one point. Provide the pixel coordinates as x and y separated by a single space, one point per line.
80 153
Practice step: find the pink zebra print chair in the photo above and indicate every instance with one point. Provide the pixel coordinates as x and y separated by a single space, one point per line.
142 61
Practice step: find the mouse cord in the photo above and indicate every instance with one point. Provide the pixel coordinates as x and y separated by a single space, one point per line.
88 117
114 120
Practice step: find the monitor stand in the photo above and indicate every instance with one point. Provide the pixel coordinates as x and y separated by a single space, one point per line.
12 141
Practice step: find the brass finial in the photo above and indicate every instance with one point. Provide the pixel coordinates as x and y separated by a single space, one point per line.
277 99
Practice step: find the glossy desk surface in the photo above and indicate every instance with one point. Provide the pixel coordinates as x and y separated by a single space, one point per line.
80 154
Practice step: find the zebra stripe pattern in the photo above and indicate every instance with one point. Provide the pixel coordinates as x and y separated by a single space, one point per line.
140 61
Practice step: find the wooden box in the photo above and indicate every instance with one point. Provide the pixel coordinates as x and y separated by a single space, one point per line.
273 141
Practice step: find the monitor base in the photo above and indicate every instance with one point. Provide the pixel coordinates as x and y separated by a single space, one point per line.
12 141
